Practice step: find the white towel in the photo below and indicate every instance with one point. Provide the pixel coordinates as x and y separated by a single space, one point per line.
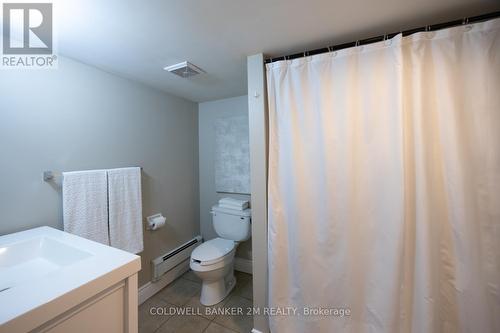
125 209
232 207
231 203
85 204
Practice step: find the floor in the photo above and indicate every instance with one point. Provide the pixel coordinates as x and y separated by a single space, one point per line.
181 310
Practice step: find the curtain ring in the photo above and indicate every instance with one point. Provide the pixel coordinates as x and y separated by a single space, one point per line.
357 43
387 41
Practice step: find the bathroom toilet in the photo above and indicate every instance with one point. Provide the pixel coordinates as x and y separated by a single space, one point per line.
212 261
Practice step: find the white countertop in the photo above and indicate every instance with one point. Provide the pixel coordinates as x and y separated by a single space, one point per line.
82 269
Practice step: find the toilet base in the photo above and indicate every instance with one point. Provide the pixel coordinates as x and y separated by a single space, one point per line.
213 292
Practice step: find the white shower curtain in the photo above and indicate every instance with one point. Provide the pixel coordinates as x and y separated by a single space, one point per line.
384 186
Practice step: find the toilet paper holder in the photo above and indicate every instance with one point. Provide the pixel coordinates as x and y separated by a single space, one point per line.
155 221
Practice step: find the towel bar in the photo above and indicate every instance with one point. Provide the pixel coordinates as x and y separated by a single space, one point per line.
51 175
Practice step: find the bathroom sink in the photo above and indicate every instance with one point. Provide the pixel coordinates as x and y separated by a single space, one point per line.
24 261
45 272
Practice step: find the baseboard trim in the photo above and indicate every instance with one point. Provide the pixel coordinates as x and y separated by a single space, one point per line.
243 265
151 288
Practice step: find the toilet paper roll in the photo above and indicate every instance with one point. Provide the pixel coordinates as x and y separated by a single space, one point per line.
156 222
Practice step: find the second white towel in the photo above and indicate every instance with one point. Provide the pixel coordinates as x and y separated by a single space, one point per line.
125 209
231 203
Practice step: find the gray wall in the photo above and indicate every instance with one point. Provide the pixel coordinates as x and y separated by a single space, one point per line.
208 113
78 117
258 122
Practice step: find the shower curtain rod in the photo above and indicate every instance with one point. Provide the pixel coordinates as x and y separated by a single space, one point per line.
434 27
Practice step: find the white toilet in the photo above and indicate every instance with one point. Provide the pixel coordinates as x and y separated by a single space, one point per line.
212 261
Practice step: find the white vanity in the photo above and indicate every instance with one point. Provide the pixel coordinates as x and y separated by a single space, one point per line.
52 281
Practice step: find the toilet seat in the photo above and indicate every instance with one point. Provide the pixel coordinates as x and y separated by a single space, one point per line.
225 261
213 251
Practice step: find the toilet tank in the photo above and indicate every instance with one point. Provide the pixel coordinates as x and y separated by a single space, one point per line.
232 224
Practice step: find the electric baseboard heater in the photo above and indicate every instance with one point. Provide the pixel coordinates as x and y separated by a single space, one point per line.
166 262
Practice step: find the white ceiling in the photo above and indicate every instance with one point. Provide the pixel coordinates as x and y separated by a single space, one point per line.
136 39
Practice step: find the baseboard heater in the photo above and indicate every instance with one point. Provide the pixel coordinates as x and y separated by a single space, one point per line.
169 260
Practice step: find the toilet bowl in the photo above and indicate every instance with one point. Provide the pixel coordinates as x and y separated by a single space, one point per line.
213 261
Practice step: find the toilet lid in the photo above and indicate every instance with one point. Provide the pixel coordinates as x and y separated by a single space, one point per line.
213 249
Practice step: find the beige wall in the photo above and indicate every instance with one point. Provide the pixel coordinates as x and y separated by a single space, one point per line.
209 112
78 117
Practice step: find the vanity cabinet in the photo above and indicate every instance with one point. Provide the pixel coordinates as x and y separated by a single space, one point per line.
112 311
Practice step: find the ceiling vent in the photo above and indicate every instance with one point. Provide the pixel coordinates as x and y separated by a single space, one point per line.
184 69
